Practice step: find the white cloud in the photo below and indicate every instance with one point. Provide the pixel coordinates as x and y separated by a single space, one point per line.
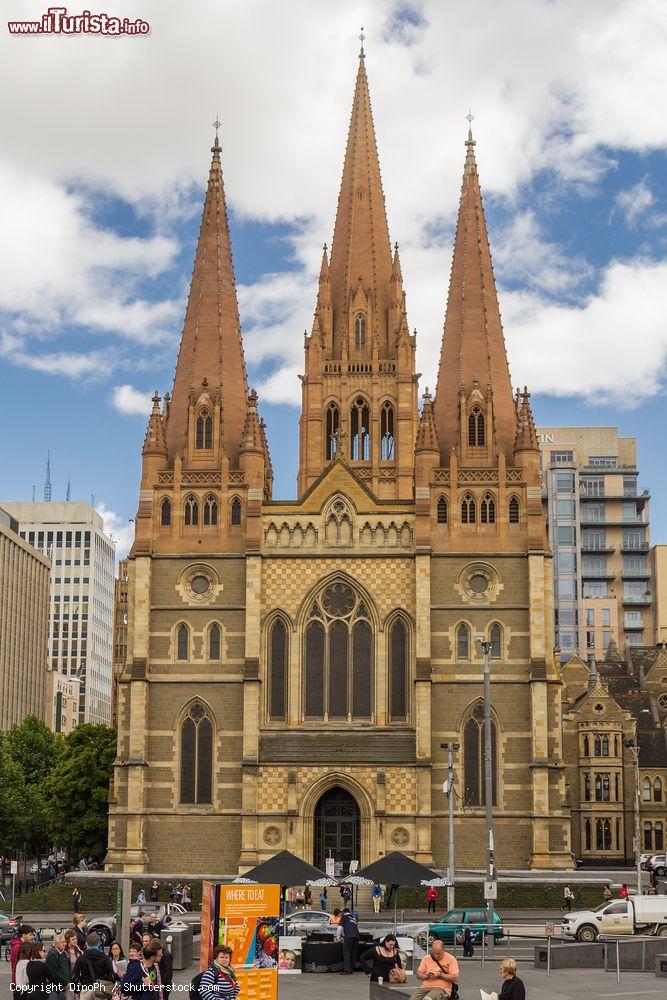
521 253
69 363
118 528
126 399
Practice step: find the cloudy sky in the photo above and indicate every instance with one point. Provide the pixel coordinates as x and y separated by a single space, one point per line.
105 154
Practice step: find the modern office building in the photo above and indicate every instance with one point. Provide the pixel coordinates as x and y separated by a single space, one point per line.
24 625
61 704
119 632
598 519
659 578
82 596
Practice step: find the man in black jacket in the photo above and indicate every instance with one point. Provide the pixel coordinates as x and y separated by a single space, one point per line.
165 963
93 966
153 926
57 962
350 929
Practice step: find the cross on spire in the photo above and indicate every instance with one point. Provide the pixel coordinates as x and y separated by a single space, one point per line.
470 119
216 126
362 39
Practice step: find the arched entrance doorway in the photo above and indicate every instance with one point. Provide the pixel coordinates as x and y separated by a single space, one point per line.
337 828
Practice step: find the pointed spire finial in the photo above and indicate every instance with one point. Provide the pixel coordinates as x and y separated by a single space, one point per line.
47 481
362 39
427 395
216 125
470 119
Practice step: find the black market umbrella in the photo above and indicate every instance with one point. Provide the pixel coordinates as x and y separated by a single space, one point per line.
397 869
286 869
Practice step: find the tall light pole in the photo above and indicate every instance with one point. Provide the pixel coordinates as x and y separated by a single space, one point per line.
633 747
451 749
486 647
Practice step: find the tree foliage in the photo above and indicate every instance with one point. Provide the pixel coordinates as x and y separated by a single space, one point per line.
77 791
12 801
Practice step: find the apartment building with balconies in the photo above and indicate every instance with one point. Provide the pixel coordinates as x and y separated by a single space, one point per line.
598 517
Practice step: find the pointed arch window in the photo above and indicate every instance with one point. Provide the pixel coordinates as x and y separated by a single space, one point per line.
468 509
476 428
587 749
657 790
314 670
235 511
646 790
191 510
182 642
278 670
210 510
204 431
463 643
513 510
603 834
214 642
360 443
165 513
387 432
398 670
362 671
360 332
587 787
496 637
333 430
487 509
196 757
587 834
442 510
473 759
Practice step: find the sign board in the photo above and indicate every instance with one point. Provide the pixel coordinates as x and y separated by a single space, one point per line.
330 867
490 890
14 867
249 919
549 929
354 865
338 869
208 920
289 955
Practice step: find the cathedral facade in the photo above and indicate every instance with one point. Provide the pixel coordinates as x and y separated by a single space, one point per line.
294 666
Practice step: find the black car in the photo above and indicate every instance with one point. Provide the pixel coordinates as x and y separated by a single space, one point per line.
8 926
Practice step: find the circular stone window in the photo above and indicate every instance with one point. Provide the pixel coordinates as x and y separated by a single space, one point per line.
478 583
338 600
200 584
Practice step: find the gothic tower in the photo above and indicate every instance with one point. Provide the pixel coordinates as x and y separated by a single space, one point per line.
360 388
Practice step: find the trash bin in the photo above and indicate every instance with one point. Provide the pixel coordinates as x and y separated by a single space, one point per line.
177 937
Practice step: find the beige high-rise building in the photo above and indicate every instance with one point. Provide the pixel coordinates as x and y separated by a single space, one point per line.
598 519
659 577
24 625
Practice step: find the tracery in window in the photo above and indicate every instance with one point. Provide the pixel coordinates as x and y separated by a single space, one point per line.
513 510
182 642
468 509
442 510
473 759
196 784
476 428
360 332
235 511
463 643
165 513
496 637
333 430
487 509
214 642
210 510
360 438
204 431
387 432
191 511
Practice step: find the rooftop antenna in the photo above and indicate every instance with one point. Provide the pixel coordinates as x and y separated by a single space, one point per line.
68 494
92 500
47 481
33 492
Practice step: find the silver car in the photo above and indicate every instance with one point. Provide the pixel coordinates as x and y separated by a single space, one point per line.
304 921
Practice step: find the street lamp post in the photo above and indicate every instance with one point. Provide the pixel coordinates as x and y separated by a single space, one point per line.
451 749
486 647
633 747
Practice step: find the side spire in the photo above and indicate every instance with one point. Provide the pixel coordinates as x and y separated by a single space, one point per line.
427 435
47 481
473 347
361 250
211 351
155 442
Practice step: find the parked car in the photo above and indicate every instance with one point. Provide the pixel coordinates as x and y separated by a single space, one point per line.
644 860
8 927
635 915
450 928
658 865
304 921
166 912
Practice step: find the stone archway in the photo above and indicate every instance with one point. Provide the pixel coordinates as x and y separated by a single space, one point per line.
337 828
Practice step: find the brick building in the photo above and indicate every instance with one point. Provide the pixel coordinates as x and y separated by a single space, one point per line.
121 593
293 666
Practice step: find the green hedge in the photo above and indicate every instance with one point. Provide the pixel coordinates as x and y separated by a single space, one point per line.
94 898
529 897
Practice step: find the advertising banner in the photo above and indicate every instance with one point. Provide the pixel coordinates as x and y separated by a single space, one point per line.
289 956
208 922
249 920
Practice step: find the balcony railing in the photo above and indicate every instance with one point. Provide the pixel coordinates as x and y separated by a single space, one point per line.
635 546
643 599
636 574
597 547
633 624
597 574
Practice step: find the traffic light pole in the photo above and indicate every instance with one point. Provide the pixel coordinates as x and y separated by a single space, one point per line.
488 789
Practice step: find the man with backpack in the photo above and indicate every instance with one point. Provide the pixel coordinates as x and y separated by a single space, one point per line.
219 981
350 929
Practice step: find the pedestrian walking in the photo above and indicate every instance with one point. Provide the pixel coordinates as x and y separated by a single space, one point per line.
468 943
376 896
154 891
141 896
72 947
118 960
187 897
57 962
24 935
21 970
76 900
165 965
431 896
80 931
37 971
93 967
308 898
513 987
568 899
219 981
623 892
350 931
142 976
438 971
137 928
323 899
606 892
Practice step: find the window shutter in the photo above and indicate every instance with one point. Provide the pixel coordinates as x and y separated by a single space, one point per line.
362 681
338 671
398 667
277 670
314 671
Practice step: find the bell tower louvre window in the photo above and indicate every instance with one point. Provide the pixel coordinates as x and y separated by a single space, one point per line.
333 427
468 509
476 428
360 332
204 431
387 432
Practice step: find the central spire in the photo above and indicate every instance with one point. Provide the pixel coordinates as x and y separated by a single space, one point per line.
361 250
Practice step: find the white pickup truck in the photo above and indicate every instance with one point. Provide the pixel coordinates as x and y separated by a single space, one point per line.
636 915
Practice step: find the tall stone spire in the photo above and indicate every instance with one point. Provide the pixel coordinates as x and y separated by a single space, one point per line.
211 351
155 441
473 347
361 250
